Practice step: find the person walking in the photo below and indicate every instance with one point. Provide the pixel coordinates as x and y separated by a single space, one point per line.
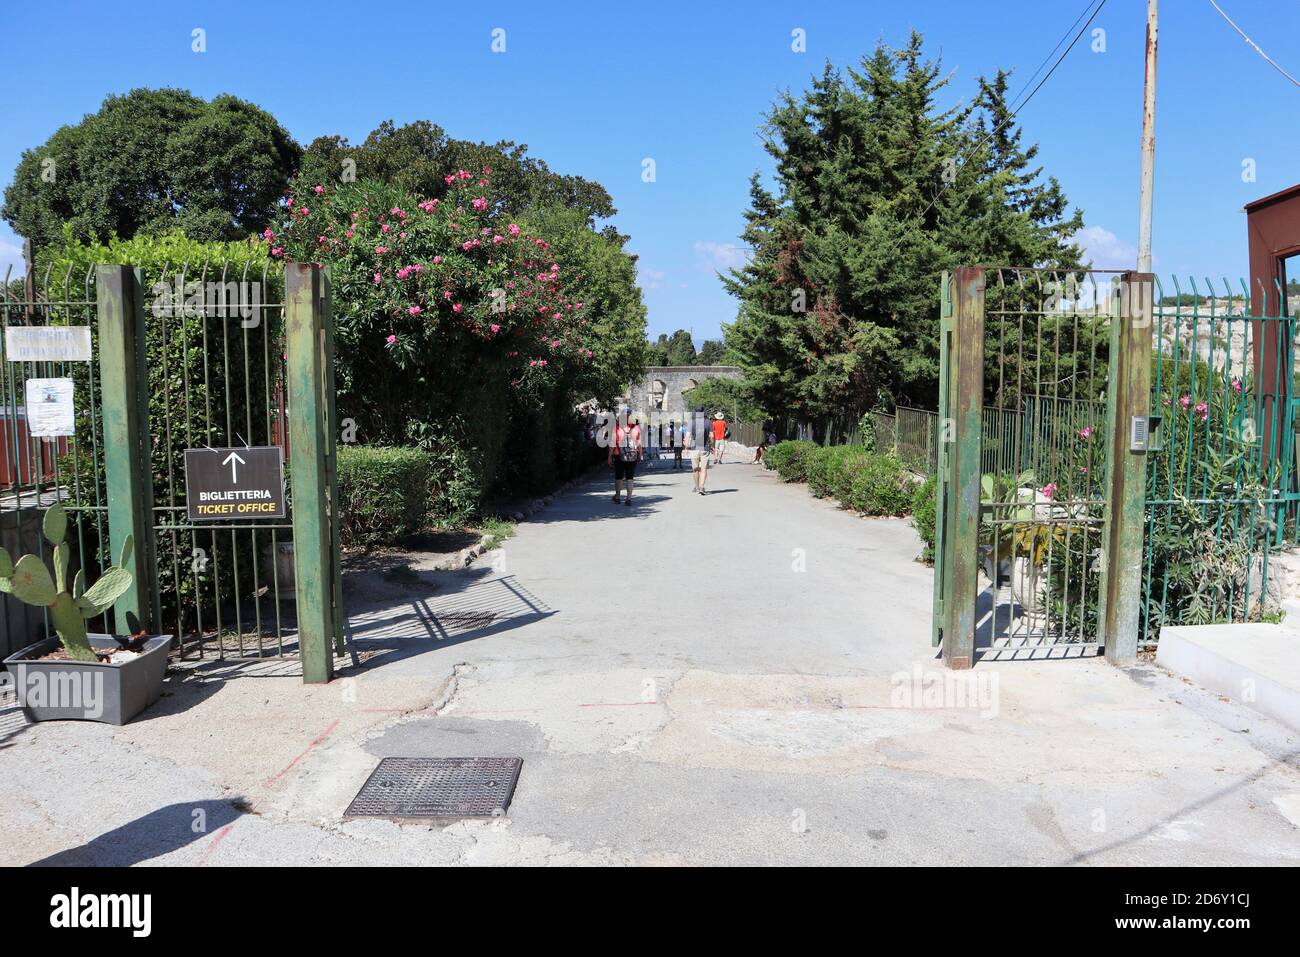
720 433
624 454
697 438
676 438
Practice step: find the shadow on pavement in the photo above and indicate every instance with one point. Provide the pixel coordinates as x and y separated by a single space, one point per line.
158 832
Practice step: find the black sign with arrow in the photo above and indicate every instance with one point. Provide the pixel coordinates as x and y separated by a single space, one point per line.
234 483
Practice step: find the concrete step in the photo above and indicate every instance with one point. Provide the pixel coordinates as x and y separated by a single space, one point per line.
1253 663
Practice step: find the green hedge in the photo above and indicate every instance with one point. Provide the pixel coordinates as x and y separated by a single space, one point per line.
383 494
865 481
924 507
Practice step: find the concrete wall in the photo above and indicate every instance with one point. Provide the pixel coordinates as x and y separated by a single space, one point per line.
662 387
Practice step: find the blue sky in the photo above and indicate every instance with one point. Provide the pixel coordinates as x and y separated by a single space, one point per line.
595 88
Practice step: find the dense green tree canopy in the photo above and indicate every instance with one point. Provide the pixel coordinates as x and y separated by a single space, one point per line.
679 350
877 191
416 157
150 162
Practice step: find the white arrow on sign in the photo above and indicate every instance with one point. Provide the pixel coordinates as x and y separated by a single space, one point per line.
230 460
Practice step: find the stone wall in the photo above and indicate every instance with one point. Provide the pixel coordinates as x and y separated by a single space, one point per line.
662 387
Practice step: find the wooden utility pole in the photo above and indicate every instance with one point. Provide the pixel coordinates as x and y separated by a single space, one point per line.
1148 142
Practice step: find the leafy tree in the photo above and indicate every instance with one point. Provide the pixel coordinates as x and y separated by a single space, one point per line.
877 191
418 156
601 275
150 162
675 350
733 397
710 353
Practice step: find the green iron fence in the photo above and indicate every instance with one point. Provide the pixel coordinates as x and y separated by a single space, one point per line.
1219 472
37 472
1221 491
212 340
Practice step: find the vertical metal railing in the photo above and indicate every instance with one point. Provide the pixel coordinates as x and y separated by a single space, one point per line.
36 472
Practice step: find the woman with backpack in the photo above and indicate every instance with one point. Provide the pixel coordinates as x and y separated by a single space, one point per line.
624 454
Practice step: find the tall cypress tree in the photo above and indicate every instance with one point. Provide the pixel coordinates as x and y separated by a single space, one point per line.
877 191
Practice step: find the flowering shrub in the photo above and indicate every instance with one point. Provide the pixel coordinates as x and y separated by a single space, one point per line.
414 277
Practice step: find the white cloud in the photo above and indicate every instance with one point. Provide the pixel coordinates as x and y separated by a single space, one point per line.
720 256
649 278
1105 249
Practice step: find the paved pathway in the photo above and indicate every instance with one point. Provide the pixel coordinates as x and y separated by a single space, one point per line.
693 679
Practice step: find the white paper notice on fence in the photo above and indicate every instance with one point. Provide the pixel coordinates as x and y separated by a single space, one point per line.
49 407
47 343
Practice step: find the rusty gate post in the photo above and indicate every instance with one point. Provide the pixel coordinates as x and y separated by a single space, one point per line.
960 440
1128 402
124 408
309 439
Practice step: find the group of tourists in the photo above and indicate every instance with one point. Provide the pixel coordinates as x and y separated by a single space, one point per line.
703 440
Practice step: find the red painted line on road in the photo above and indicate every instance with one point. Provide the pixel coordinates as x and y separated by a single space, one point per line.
212 846
305 751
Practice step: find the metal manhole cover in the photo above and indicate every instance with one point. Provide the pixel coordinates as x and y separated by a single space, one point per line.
437 789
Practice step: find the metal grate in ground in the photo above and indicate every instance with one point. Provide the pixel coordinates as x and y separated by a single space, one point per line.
437 789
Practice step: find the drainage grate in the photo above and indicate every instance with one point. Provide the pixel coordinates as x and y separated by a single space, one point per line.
437 789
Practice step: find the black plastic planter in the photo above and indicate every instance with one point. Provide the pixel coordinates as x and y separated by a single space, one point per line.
60 689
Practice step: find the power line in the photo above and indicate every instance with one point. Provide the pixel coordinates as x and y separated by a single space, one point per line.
1255 46
1014 112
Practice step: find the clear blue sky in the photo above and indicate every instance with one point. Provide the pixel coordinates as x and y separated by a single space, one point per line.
594 88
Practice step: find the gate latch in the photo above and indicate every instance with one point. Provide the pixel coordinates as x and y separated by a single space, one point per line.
1144 434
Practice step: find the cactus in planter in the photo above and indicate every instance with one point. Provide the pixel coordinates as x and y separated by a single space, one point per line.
29 581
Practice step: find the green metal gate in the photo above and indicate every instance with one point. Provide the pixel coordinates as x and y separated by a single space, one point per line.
1030 457
190 357
1110 461
215 340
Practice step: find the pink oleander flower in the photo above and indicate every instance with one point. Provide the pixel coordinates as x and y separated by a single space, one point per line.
303 210
413 311
380 250
494 327
457 308
277 250
479 204
267 234
1236 385
1186 402
1202 410
1085 432
449 180
1049 490
436 260
390 340
318 189
512 229
446 294
378 277
384 227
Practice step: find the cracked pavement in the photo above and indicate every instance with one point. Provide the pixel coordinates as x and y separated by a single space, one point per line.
693 680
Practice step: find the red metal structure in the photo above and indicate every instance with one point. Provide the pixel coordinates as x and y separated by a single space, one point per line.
1273 227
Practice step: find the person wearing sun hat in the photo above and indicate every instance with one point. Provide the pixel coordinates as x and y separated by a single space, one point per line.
720 433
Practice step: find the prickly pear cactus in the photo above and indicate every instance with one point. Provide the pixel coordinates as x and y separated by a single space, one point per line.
29 581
